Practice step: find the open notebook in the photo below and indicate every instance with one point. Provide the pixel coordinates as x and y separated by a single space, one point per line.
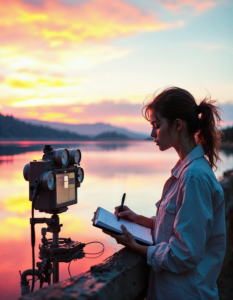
106 220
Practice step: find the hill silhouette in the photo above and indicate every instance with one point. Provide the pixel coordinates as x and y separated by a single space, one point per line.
111 136
14 129
11 128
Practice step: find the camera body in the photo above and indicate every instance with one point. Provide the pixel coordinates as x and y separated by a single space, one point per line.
59 175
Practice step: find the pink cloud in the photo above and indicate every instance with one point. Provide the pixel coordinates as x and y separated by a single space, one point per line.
2 78
55 23
197 5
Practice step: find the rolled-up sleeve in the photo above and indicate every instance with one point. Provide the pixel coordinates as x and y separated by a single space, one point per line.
192 227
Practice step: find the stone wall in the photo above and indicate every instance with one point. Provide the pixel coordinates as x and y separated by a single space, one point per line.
122 276
225 280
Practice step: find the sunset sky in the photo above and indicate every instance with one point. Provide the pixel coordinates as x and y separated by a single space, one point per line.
88 61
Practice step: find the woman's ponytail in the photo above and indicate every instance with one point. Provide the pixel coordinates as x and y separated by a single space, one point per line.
208 134
202 120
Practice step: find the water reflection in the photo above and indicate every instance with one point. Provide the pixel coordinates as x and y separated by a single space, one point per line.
227 151
19 147
137 168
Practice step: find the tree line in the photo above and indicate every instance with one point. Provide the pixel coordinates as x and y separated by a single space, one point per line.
13 129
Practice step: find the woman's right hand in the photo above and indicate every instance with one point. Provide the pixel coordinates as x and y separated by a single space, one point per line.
126 214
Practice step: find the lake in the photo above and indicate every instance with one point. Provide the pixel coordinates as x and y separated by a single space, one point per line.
138 169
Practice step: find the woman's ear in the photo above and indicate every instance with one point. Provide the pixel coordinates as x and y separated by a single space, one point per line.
178 125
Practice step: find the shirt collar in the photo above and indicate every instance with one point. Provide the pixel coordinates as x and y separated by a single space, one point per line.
197 152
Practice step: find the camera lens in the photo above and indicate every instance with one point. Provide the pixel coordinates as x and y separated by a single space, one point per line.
26 170
62 157
80 175
47 180
75 156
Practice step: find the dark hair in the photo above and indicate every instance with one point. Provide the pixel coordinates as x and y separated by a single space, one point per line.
202 120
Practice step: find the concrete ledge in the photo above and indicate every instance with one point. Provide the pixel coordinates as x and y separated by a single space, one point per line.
124 275
225 279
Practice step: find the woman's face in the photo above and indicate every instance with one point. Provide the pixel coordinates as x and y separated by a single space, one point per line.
160 132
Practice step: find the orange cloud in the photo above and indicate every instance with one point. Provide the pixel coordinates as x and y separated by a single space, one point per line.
198 5
55 22
17 83
13 226
53 116
17 204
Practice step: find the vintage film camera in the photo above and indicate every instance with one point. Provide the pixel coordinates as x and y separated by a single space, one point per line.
59 175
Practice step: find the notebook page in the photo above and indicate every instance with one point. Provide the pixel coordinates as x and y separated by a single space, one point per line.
111 220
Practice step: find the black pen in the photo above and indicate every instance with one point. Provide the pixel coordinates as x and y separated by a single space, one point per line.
122 203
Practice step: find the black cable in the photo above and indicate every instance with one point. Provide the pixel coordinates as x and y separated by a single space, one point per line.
100 253
31 279
33 239
95 252
93 243
33 246
69 269
85 257
95 256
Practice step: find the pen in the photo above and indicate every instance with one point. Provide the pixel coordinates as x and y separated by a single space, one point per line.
122 203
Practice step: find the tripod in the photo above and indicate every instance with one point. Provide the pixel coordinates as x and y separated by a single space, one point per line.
51 252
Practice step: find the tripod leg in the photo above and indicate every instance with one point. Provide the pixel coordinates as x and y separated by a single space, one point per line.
55 272
41 283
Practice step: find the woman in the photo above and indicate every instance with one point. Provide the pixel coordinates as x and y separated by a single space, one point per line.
189 226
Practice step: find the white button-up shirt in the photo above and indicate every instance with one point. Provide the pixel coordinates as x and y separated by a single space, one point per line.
189 233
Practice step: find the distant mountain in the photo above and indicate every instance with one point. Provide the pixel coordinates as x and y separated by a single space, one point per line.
14 129
111 136
90 130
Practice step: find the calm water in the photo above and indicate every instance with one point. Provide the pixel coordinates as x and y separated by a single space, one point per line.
137 168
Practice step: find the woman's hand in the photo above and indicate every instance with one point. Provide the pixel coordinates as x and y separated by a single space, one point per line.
129 215
127 239
126 214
